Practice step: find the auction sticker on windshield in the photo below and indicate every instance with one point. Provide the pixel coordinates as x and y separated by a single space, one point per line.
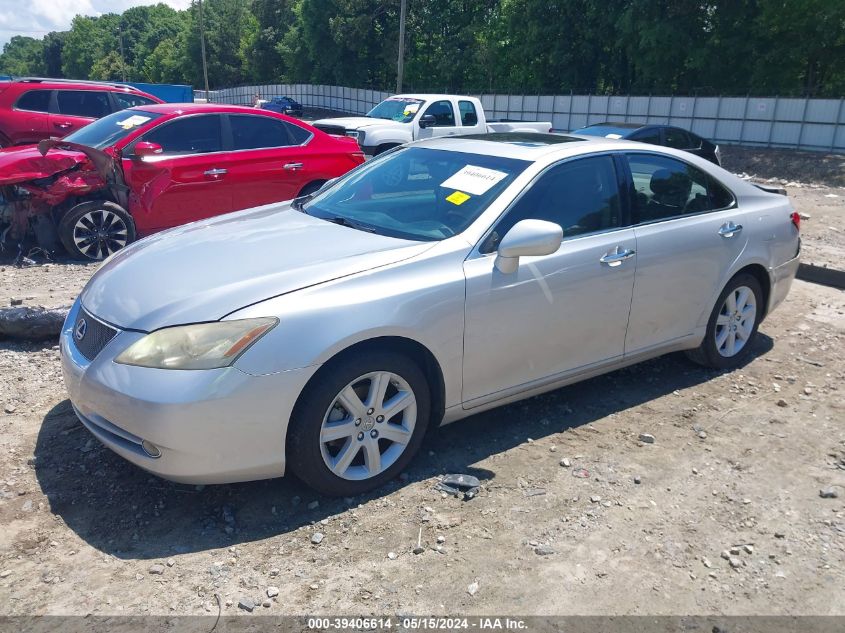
473 179
134 121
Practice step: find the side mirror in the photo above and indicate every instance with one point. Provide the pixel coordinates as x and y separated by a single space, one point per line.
527 238
427 120
145 148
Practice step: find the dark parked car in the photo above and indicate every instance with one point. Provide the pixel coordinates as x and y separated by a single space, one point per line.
32 109
665 135
283 105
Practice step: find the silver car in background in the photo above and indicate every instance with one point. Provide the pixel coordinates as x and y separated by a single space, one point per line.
438 280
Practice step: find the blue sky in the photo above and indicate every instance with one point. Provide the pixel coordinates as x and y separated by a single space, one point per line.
36 18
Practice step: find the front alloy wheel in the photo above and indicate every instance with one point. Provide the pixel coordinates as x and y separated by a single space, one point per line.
368 426
96 229
359 422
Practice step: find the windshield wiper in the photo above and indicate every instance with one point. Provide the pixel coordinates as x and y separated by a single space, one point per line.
298 203
352 224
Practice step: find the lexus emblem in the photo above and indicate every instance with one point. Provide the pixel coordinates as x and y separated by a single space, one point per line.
80 328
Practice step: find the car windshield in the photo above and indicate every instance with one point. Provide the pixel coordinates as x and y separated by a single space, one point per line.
107 131
417 193
397 109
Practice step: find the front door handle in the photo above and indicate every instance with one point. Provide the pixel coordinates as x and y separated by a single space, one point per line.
729 229
292 166
617 256
215 172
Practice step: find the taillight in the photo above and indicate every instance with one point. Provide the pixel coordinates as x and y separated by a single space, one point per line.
796 219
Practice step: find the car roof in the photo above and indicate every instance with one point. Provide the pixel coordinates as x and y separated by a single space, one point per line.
197 108
427 96
526 146
75 84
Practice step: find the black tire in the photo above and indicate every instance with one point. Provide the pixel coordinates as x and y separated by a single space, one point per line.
311 187
708 353
304 447
79 225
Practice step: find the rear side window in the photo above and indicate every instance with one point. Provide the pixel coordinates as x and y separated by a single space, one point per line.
651 136
34 101
191 135
468 114
255 132
87 103
669 188
129 100
582 196
678 139
443 112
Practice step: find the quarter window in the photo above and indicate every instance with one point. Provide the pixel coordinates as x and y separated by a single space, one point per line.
34 101
468 114
191 135
443 113
582 196
668 188
86 103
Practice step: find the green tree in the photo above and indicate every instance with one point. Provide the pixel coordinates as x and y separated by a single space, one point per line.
22 56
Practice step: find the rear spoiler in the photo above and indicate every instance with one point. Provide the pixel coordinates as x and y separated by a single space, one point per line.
778 190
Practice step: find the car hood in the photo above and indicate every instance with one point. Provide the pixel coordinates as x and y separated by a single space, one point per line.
206 270
357 122
20 164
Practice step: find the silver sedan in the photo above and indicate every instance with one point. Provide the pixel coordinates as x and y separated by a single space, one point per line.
327 334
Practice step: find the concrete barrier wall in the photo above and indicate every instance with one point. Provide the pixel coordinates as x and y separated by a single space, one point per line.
807 124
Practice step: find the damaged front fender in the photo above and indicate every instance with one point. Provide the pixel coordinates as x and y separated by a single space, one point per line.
36 179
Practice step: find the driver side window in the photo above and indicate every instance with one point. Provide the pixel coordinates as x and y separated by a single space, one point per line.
190 135
582 196
443 113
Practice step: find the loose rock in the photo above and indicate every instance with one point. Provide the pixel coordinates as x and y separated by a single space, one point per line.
317 538
246 604
646 438
157 569
472 589
828 493
543 550
565 462
272 592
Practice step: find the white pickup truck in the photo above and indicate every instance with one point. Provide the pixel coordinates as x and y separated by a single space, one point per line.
405 118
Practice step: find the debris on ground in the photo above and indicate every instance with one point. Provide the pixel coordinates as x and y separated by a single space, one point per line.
466 486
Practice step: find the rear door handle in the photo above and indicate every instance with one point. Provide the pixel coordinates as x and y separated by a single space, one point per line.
729 229
292 166
215 172
617 256
64 125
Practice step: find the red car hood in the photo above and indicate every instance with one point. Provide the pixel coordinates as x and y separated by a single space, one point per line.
19 164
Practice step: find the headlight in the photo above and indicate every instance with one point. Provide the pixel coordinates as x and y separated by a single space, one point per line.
200 346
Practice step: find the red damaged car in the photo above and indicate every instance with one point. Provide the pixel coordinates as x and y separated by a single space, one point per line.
149 168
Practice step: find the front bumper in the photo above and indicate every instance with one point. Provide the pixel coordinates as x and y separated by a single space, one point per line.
210 426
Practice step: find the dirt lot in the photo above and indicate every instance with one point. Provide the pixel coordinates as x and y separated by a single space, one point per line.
736 469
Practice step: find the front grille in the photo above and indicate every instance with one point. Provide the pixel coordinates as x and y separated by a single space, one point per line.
90 335
332 129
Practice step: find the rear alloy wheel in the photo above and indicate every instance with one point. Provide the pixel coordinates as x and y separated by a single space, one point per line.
96 229
359 424
733 325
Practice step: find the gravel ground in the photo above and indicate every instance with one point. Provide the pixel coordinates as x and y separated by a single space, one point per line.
729 511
